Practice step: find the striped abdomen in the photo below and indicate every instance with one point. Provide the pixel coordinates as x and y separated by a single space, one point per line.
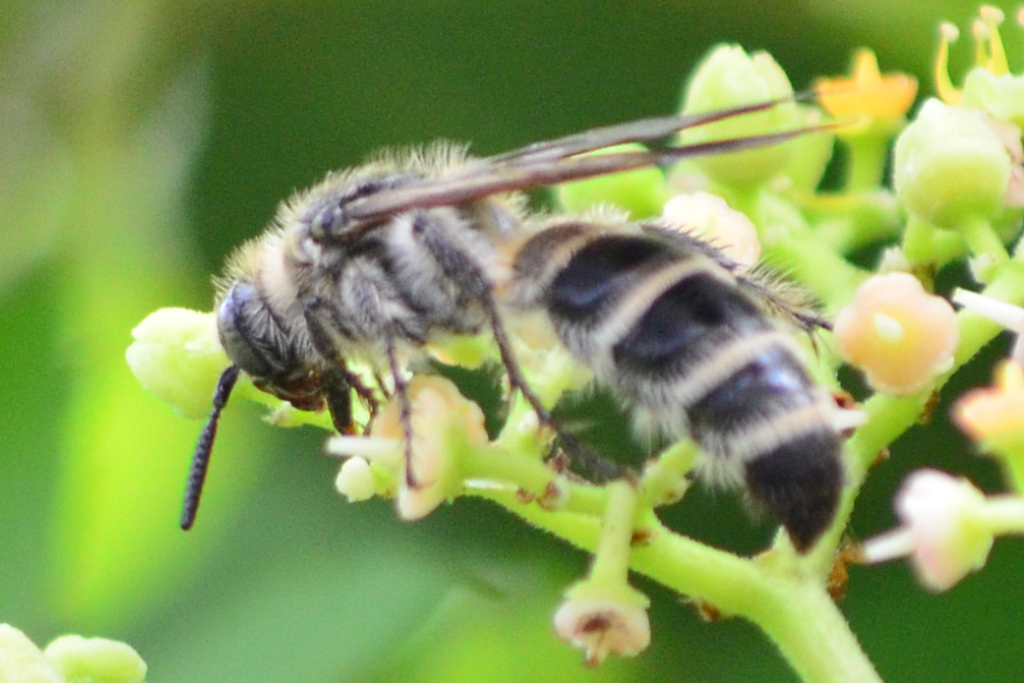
665 324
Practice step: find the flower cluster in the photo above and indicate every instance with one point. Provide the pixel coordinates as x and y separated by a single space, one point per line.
958 172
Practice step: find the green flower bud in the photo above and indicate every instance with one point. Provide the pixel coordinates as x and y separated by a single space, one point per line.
809 154
355 480
177 356
21 661
728 77
950 168
1001 96
96 660
641 192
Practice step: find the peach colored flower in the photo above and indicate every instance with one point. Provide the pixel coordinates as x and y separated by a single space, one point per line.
443 424
603 627
994 412
900 335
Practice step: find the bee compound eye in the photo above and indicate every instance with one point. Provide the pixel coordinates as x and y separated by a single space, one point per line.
239 316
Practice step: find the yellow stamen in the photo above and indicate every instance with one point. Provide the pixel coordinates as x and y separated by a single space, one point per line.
948 93
996 63
981 31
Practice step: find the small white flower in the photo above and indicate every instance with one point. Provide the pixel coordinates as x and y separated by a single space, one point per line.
945 530
95 659
21 660
604 626
355 480
177 357
710 218
443 425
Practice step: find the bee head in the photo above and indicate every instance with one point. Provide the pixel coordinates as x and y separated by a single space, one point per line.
256 343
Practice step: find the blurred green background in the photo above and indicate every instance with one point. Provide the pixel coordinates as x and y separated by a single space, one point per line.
141 141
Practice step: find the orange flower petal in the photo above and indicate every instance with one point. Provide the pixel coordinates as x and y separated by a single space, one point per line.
866 92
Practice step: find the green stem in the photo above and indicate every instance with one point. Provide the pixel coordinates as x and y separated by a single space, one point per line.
792 608
982 239
866 165
986 247
845 222
664 478
611 561
530 474
825 273
926 245
1004 515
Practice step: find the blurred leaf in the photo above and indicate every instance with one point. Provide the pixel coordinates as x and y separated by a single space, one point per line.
308 617
117 543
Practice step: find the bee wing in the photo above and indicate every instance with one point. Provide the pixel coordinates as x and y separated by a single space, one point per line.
642 130
526 169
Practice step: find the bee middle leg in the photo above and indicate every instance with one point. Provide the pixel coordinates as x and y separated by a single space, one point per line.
456 254
336 381
462 260
404 411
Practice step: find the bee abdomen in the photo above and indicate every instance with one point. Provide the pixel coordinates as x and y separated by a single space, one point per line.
800 482
673 333
599 275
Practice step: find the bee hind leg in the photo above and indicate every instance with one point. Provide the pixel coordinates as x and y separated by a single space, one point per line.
516 379
595 467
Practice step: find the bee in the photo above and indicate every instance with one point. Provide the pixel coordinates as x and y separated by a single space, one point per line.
374 263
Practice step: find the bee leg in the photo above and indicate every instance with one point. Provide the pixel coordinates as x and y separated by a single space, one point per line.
336 380
597 468
338 383
586 462
367 396
337 387
515 374
475 283
404 412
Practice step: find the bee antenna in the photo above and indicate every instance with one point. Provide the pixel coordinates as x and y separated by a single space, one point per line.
201 456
